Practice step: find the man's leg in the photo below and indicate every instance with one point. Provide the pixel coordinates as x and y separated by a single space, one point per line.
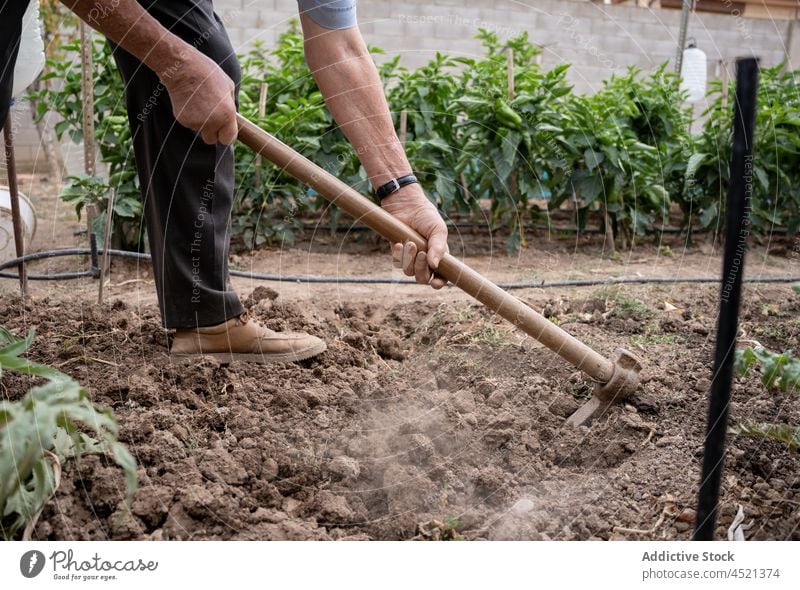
187 185
188 191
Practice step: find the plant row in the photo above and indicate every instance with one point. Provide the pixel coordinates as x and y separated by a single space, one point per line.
623 158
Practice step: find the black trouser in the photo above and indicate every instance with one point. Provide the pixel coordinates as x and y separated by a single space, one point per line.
11 12
187 185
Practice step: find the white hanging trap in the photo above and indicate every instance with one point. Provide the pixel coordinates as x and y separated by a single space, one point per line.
30 60
694 73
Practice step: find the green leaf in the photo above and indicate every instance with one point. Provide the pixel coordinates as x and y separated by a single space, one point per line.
589 187
46 420
547 128
785 433
762 177
15 346
60 128
501 164
509 146
744 359
513 241
708 215
777 370
593 158
126 208
694 163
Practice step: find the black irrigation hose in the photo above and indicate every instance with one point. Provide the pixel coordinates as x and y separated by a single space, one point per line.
356 280
311 226
730 295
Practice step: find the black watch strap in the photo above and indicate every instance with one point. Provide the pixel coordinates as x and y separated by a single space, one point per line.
395 184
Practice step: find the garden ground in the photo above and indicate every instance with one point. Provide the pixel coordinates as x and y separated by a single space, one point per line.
428 417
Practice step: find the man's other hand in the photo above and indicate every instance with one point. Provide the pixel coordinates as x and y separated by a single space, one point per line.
411 206
202 97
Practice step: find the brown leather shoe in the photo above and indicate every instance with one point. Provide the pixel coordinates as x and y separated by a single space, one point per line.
245 339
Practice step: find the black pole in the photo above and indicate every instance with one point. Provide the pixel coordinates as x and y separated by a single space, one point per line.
93 254
736 222
16 215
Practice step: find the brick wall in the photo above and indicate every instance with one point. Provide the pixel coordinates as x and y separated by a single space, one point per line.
596 38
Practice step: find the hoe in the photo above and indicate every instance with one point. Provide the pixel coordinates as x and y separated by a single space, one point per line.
616 378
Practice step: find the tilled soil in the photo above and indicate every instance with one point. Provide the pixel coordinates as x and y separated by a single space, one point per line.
422 420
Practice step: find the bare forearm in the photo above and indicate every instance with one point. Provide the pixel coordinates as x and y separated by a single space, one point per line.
182 69
349 81
129 25
347 77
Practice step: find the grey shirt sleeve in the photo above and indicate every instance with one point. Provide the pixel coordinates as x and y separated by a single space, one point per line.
331 14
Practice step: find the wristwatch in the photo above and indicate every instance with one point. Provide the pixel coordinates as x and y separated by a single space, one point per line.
395 184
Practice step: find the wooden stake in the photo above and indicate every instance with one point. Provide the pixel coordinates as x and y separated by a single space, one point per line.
104 264
16 216
89 148
608 244
514 181
87 96
726 79
262 109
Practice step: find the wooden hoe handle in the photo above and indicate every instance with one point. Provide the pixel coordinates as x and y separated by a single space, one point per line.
365 211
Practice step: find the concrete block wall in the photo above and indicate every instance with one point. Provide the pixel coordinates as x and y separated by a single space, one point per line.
597 39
